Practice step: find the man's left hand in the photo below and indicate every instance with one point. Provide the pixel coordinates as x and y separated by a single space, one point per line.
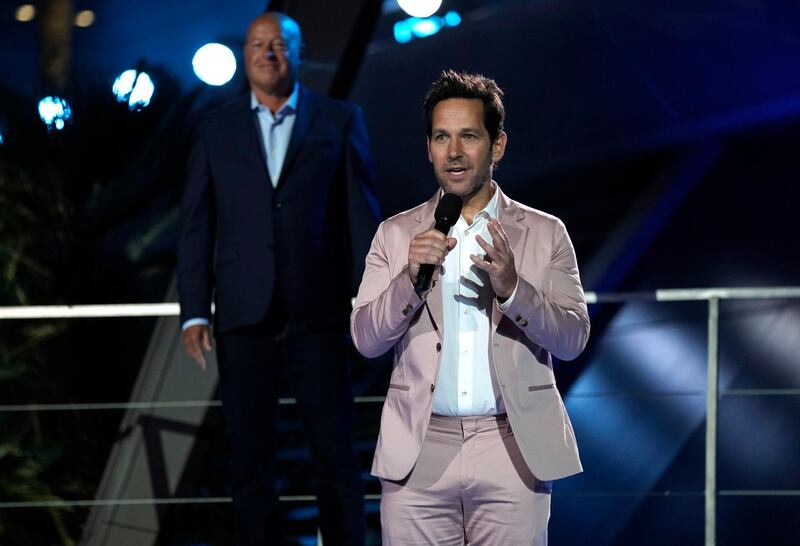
498 262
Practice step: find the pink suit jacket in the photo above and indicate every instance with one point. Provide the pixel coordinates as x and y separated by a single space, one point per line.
547 316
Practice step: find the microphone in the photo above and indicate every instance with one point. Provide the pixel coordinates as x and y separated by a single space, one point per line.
446 215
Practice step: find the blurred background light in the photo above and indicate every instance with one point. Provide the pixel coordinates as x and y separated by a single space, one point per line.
425 27
123 85
84 18
419 8
142 92
214 64
452 19
415 27
55 112
135 88
1 137
25 13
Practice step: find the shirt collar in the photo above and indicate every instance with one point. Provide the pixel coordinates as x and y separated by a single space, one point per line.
290 105
491 207
490 210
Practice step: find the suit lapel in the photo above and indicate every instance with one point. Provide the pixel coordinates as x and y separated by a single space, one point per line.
425 221
307 110
246 129
511 218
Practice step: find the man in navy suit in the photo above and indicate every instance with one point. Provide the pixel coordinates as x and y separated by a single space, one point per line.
277 218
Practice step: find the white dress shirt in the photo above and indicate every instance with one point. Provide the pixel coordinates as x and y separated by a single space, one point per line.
464 385
276 131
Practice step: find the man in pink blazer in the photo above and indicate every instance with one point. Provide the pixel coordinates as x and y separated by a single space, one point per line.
473 428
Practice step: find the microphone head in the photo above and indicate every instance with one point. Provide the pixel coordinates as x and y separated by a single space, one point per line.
448 209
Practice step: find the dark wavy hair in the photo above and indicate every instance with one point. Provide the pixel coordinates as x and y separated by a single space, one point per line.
463 85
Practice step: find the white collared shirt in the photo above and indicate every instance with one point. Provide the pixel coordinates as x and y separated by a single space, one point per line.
464 385
276 131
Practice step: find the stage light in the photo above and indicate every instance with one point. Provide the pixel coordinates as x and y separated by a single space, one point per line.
55 112
402 32
425 27
2 140
414 27
142 92
123 85
84 18
135 88
452 19
419 8
25 13
214 64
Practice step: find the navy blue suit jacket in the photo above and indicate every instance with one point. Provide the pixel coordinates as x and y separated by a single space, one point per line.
241 239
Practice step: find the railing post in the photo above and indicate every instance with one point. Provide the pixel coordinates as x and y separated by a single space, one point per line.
712 398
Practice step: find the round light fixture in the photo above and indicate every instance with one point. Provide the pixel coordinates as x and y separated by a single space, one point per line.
25 13
84 18
214 64
420 8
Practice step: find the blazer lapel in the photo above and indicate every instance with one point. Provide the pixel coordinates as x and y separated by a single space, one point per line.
246 129
425 221
511 218
307 110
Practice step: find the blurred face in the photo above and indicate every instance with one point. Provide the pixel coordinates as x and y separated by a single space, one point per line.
460 148
271 55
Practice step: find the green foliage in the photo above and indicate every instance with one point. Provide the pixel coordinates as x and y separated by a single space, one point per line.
33 235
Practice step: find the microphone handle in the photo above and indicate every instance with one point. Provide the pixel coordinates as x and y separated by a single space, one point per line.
425 275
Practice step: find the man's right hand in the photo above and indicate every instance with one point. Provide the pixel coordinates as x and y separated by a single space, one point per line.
429 247
196 341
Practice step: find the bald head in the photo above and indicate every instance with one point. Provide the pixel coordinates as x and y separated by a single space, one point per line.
289 27
272 55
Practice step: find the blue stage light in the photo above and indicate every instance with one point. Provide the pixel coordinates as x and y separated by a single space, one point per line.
123 85
452 19
55 112
414 27
1 137
135 88
214 64
402 32
422 28
142 92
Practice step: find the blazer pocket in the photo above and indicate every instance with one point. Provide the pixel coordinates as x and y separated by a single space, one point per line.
404 388
534 388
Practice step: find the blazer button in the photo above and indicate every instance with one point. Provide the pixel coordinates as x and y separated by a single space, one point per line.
278 205
438 347
407 309
432 387
521 321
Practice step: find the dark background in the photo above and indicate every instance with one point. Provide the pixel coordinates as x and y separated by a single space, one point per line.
664 133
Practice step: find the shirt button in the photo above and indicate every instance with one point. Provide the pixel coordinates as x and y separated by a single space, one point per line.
463 393
438 347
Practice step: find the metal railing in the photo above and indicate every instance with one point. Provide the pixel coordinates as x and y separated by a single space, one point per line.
712 392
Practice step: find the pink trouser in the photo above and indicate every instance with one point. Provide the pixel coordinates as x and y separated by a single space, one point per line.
470 485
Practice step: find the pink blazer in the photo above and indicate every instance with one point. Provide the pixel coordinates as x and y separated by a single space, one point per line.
547 316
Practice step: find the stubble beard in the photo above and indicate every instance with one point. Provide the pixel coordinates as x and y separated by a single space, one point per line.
475 185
